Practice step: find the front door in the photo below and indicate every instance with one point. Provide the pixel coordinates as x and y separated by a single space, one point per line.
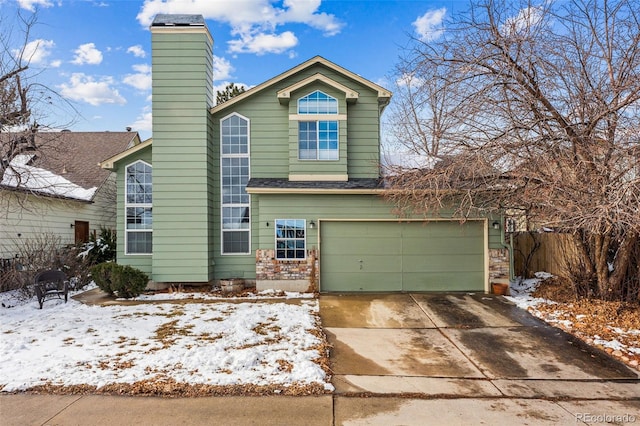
82 231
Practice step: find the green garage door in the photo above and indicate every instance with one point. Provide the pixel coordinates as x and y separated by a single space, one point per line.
409 256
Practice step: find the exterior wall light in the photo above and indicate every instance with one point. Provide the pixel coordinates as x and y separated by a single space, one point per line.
496 225
312 224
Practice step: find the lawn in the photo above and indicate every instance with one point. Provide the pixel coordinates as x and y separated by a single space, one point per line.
203 347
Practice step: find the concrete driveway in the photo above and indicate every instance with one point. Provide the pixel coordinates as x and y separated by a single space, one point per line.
460 345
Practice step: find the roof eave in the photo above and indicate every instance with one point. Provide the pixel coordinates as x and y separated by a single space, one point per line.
384 95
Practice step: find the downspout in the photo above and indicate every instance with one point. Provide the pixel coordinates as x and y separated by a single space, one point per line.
509 247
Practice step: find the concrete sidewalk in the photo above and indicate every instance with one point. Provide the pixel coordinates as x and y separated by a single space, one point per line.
30 409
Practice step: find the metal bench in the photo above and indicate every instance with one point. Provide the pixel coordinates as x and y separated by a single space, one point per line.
49 284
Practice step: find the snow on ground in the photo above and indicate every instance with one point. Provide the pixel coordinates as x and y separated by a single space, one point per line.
560 315
250 343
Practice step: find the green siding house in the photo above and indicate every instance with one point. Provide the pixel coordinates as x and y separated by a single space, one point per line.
279 185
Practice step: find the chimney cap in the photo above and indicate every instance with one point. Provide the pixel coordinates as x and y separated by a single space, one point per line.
170 20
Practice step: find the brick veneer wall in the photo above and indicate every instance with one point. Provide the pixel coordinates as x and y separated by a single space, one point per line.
498 263
268 268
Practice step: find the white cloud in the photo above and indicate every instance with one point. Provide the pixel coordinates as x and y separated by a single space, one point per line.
255 22
35 52
143 121
137 51
429 26
141 80
56 63
527 18
222 68
84 88
87 54
264 43
32 4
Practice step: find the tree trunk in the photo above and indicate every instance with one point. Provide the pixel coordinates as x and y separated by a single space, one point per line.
601 244
621 267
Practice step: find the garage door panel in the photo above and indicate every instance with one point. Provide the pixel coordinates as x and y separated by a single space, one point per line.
364 264
367 247
435 282
409 256
360 282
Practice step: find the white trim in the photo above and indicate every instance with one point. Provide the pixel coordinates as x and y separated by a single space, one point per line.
325 191
350 94
246 155
318 178
192 29
136 205
275 240
317 117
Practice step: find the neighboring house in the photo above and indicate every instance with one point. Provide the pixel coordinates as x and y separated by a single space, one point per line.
58 189
280 184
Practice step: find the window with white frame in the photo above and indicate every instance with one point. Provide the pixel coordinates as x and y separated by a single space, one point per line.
318 139
138 208
234 174
291 239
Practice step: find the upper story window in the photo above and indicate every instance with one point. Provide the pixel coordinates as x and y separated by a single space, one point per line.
138 208
234 176
317 103
318 139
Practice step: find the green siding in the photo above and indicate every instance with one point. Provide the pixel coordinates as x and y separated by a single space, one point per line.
139 261
274 137
182 94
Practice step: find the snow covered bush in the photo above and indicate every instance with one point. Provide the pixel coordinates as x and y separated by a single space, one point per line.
100 249
121 280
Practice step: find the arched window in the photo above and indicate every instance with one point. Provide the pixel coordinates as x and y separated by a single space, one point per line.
138 208
318 139
317 103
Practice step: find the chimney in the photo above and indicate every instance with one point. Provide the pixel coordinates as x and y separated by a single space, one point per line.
182 73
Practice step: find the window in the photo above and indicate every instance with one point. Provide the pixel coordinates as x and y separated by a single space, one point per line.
138 208
234 171
318 140
317 103
290 239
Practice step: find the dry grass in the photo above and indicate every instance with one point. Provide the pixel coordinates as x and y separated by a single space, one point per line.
592 320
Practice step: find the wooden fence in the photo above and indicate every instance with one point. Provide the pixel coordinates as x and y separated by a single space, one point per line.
547 252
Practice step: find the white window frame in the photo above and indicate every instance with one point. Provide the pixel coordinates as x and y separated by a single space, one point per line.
276 239
236 205
128 205
317 117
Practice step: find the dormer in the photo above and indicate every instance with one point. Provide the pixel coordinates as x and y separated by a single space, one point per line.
318 128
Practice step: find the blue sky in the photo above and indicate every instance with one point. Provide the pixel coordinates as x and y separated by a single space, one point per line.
97 55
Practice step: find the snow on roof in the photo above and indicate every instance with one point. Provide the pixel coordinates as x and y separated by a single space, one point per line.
21 174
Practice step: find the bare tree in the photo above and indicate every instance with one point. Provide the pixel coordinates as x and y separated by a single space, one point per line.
544 101
25 104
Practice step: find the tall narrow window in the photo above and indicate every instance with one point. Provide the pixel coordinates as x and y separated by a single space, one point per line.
234 171
318 139
138 209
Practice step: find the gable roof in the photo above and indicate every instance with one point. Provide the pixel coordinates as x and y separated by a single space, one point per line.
109 163
384 95
69 160
285 94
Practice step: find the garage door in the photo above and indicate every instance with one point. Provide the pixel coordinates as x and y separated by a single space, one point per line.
409 256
